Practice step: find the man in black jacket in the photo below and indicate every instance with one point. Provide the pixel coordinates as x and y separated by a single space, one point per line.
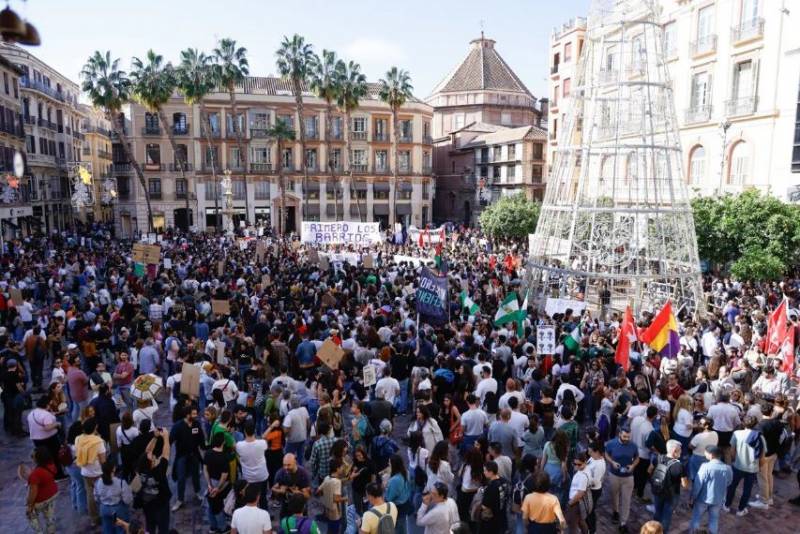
189 440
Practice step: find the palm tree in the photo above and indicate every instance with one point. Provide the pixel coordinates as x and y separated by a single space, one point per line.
108 88
352 88
195 82
230 69
325 84
153 85
295 58
395 90
281 132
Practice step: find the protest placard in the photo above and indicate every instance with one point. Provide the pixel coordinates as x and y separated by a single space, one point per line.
545 339
190 380
266 281
221 307
341 232
16 295
167 263
554 306
220 351
330 354
370 376
146 254
369 263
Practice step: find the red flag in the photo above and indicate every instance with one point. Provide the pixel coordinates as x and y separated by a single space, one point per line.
776 329
492 262
627 335
428 235
787 351
441 235
421 242
509 261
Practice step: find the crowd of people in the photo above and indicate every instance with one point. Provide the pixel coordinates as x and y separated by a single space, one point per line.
467 428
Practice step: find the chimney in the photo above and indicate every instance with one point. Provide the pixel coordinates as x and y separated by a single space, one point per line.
544 107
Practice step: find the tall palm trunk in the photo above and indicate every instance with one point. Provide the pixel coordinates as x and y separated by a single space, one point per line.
282 185
242 154
181 156
348 149
395 143
328 112
298 98
118 130
204 132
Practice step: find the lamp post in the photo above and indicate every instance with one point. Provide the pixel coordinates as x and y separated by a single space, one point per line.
227 213
724 126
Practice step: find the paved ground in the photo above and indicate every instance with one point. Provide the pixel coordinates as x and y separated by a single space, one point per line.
782 518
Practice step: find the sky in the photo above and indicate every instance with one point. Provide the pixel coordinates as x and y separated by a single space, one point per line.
426 37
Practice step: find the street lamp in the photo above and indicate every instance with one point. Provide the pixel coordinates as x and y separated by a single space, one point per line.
724 126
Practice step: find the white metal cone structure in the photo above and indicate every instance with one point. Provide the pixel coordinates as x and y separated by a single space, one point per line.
616 226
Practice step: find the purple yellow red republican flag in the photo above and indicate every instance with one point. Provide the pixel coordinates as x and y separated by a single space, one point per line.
662 334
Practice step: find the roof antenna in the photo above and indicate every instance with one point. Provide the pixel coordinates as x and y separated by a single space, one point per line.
482 29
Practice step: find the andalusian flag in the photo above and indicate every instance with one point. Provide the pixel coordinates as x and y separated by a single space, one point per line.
522 315
508 311
469 304
573 341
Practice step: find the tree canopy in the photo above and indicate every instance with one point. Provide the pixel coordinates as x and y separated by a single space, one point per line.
510 217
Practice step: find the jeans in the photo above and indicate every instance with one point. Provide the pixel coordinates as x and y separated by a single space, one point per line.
156 517
77 491
747 489
664 507
109 514
403 396
77 408
215 521
695 461
297 449
185 467
700 508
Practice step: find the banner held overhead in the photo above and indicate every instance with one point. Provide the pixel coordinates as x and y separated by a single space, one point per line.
342 232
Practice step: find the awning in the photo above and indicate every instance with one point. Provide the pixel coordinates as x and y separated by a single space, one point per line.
406 186
380 209
380 186
311 209
403 209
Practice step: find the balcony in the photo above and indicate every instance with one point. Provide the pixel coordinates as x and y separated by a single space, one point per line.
553 134
27 83
86 151
261 167
180 129
262 193
61 162
697 114
44 123
121 167
404 169
151 130
97 130
359 168
259 133
358 136
406 138
748 30
215 134
741 106
554 69
29 120
312 135
337 135
605 76
426 169
156 195
155 167
176 167
380 137
236 166
78 135
104 154
704 45
381 169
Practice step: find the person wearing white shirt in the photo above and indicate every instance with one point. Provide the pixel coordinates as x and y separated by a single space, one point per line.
519 421
641 427
474 420
387 387
768 383
566 386
173 381
437 511
511 391
486 384
252 459
710 342
726 419
230 391
250 519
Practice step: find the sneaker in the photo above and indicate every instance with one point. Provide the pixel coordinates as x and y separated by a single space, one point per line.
726 509
742 513
650 508
758 503
615 516
177 506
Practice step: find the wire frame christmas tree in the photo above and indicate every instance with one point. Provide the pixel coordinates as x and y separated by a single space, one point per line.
616 226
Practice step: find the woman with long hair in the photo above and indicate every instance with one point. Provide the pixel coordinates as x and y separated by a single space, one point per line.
114 497
541 511
438 469
42 491
449 418
400 492
546 410
427 426
554 461
155 493
471 480
682 423
362 474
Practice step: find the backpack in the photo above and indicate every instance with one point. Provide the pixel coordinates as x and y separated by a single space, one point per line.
301 526
660 483
385 521
475 505
519 492
490 402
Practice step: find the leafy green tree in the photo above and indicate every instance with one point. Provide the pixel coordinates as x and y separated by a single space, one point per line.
352 87
281 133
395 90
510 217
756 264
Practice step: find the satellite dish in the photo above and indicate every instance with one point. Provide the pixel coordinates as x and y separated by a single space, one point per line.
19 164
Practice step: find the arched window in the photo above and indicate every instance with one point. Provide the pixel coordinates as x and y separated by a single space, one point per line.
739 164
697 165
607 168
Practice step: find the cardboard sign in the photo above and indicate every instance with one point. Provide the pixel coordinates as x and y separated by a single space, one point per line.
545 339
220 346
190 380
554 306
220 267
266 281
369 263
221 307
370 375
330 354
146 254
16 296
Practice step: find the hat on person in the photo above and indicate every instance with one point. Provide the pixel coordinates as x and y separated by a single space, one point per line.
72 346
11 362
